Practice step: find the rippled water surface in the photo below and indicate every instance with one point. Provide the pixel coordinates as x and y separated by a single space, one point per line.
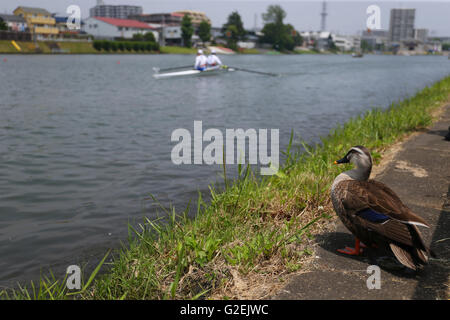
85 139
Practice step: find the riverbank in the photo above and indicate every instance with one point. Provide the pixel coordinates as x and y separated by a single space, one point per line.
84 47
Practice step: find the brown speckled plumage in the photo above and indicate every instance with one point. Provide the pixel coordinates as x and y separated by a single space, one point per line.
352 193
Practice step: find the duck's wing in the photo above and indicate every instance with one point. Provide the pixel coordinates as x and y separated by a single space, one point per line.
376 202
375 207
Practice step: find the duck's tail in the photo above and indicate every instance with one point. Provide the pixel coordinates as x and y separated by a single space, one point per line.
415 256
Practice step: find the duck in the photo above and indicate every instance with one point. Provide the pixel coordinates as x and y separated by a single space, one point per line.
375 215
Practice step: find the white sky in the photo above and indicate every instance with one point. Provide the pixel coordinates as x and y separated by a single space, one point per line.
344 17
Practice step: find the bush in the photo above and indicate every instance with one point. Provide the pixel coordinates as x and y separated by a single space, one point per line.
106 45
129 46
114 46
120 46
136 46
97 45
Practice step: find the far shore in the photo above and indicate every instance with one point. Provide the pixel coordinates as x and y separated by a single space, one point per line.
85 47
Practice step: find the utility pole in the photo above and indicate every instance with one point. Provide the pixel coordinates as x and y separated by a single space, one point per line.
324 14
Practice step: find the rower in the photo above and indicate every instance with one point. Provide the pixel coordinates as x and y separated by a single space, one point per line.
200 61
213 59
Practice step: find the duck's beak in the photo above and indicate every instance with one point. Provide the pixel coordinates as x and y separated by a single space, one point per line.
343 160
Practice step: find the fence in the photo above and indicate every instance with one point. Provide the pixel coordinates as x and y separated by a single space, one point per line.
18 36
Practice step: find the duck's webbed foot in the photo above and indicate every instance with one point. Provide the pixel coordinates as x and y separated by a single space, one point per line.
356 251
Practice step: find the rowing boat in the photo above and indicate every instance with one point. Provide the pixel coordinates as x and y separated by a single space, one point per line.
192 72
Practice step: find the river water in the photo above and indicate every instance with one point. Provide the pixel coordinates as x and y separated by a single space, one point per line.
84 140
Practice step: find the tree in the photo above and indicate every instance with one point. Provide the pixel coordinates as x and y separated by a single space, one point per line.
204 31
233 30
365 46
138 37
281 36
275 14
331 45
187 30
234 19
149 36
3 25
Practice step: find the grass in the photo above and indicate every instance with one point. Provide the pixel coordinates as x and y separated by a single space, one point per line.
251 235
78 47
177 50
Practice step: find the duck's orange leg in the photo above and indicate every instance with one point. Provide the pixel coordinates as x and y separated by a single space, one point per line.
356 251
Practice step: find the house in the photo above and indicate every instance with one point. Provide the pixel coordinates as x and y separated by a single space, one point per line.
14 23
40 22
110 28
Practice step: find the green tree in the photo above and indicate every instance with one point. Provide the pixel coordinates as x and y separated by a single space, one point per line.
331 45
281 36
365 46
204 31
149 36
138 37
187 30
234 19
3 25
233 30
275 14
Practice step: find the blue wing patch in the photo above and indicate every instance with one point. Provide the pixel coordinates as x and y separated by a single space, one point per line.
373 216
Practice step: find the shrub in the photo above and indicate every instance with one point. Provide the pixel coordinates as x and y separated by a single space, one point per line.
106 45
149 37
97 45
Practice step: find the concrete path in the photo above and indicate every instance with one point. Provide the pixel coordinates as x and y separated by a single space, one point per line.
420 174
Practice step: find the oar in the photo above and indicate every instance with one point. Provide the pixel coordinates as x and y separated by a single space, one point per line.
253 71
173 68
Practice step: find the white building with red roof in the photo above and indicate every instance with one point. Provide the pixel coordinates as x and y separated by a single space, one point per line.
110 28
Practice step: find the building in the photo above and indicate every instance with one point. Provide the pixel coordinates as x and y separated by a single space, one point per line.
14 23
376 39
196 16
114 11
401 25
343 43
158 18
421 35
40 22
111 28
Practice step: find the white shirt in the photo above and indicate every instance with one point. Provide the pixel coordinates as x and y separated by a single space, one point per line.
200 62
214 60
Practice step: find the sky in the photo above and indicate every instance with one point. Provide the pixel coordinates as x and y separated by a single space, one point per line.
344 17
